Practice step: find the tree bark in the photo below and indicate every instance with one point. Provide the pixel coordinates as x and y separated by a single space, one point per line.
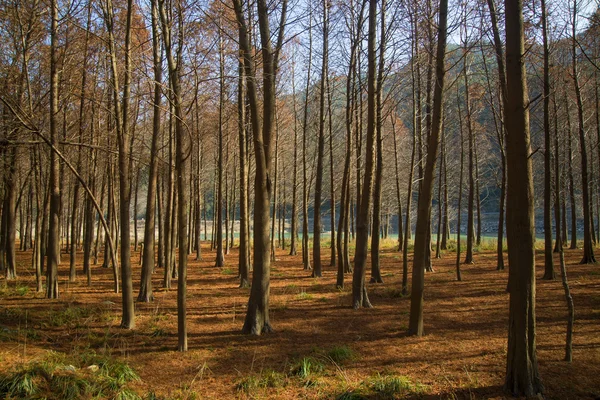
522 376
145 294
53 232
588 246
375 241
257 317
548 262
359 288
424 205
317 265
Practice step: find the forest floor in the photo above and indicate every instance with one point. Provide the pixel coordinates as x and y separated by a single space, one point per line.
320 348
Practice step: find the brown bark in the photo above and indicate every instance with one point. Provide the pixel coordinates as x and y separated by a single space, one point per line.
588 247
522 376
359 288
257 317
53 232
424 205
145 294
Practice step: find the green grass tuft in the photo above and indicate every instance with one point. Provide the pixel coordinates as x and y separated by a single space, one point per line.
60 377
304 296
266 379
306 367
392 386
339 354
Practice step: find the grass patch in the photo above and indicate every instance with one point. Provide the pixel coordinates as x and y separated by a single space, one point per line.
351 395
227 271
22 290
306 367
304 296
391 386
392 293
70 316
340 354
264 380
57 376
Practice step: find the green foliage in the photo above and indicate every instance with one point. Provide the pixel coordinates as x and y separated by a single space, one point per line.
391 386
22 290
393 293
339 354
307 366
266 379
227 271
351 395
60 377
70 316
18 290
304 296
158 332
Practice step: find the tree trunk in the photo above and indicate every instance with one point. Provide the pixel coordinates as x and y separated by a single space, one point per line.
471 137
571 180
244 261
398 195
375 241
522 376
317 265
123 138
548 262
305 184
424 205
145 294
53 232
359 288
460 187
257 317
588 246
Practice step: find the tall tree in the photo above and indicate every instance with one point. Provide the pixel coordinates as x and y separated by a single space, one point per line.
305 181
522 376
121 107
425 196
548 262
145 293
174 60
244 251
317 265
588 248
53 233
375 265
359 288
257 317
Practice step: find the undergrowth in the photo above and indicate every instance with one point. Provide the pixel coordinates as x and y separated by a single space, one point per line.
58 376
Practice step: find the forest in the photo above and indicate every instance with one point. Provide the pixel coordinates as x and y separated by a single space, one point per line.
361 199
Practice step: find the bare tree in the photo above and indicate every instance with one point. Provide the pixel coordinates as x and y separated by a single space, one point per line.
424 205
522 376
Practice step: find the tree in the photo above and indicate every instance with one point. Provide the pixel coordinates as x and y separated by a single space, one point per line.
360 297
317 265
53 232
548 262
145 293
257 317
121 108
375 267
425 196
305 181
174 61
588 248
522 376
244 254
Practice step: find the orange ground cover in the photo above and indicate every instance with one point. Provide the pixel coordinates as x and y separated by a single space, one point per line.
462 354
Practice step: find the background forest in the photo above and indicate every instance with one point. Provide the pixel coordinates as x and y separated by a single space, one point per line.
182 165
